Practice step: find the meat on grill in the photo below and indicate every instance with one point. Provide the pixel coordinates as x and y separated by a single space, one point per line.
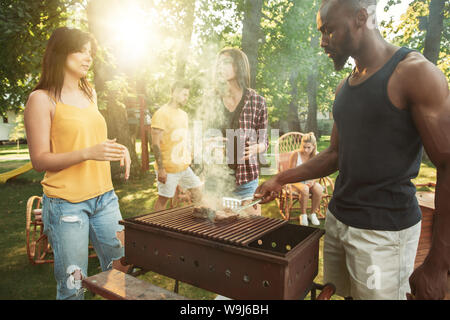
203 212
214 215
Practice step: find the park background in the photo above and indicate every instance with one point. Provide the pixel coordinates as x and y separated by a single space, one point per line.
144 47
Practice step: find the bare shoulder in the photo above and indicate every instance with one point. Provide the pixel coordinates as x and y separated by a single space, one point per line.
416 70
39 100
421 81
413 63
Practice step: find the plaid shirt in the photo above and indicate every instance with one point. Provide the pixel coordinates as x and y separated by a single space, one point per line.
253 128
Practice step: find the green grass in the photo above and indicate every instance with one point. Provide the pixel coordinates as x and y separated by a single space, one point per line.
21 280
11 152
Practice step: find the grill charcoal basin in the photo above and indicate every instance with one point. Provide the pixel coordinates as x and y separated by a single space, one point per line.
257 271
282 240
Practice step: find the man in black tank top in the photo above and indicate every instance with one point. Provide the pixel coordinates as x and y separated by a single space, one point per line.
392 103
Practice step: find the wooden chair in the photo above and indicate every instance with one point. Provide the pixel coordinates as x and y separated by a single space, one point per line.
39 250
426 203
293 198
286 146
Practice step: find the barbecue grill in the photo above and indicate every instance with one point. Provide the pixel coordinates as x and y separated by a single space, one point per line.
248 258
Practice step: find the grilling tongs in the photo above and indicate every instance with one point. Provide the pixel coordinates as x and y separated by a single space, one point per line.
251 204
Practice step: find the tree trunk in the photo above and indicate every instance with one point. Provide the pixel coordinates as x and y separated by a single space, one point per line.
115 116
433 37
187 27
118 128
294 122
434 30
311 123
251 35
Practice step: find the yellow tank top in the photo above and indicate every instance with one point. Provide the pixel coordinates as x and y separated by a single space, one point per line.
75 129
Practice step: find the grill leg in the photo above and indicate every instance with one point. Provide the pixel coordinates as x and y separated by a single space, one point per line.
175 288
137 271
327 290
313 291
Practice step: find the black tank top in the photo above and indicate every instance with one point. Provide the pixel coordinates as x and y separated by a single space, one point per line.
380 152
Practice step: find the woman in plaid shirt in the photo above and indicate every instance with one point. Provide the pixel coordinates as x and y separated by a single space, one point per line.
244 123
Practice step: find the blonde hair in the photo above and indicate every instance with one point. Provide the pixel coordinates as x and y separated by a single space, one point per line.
309 138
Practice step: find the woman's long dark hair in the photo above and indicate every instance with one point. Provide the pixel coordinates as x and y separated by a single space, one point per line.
240 64
63 42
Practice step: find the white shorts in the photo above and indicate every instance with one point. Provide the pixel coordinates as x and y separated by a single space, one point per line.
185 179
369 264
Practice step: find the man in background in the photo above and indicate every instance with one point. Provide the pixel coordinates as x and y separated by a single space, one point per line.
170 145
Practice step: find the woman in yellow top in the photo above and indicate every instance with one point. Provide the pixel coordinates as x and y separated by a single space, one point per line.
67 138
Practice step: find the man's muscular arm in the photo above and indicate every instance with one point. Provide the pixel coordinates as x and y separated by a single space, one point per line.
427 95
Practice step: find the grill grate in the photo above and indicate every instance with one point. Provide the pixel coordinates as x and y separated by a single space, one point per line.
239 232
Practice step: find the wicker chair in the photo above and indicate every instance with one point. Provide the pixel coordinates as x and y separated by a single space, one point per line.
39 250
287 145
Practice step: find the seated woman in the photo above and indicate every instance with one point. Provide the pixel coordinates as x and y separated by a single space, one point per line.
308 149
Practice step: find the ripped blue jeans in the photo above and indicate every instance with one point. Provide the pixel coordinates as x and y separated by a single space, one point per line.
69 227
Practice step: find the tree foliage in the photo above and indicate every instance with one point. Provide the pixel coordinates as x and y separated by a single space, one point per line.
412 30
25 27
190 34
291 49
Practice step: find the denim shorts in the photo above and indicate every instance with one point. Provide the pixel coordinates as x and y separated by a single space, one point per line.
246 190
69 227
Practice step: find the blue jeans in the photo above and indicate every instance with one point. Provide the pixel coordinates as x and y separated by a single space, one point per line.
246 190
70 226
